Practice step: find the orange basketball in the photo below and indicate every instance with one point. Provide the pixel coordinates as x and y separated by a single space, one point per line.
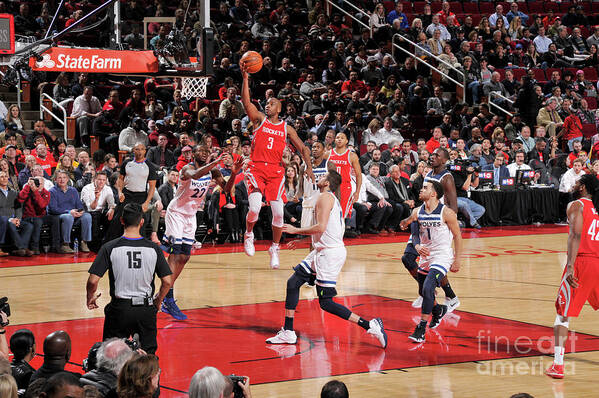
253 61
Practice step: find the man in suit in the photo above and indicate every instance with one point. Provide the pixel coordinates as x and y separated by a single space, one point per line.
498 168
400 195
549 118
160 155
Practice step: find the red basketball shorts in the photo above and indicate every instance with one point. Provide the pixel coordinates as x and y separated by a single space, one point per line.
267 178
345 199
569 300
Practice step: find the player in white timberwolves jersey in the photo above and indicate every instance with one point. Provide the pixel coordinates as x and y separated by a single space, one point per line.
438 228
180 218
328 258
308 188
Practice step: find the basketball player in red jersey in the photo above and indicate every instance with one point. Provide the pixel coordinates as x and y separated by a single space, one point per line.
265 174
580 280
344 160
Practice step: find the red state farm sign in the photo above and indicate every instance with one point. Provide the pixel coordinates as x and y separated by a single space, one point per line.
64 59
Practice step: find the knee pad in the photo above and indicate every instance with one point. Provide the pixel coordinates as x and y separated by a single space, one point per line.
328 305
276 207
409 261
296 281
559 322
255 204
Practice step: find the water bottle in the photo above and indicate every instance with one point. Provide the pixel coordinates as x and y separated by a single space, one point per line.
76 245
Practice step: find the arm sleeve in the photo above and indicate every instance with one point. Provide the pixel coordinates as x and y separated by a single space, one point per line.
415 231
102 262
162 267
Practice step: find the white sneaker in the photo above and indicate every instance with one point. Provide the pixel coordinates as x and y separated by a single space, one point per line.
274 256
378 330
283 337
452 304
248 244
417 303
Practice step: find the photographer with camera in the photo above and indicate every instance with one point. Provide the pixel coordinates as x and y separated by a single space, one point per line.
209 382
465 175
110 359
22 345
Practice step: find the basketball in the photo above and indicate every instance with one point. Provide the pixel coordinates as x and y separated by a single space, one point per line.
253 61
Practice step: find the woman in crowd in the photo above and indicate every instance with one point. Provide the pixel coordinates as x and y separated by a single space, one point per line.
60 147
484 29
139 377
14 116
291 192
62 89
8 386
416 29
516 28
110 164
13 178
389 87
532 58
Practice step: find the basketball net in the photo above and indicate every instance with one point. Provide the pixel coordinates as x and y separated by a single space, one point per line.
194 87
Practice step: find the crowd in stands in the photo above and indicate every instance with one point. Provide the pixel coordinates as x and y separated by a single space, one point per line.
529 102
114 368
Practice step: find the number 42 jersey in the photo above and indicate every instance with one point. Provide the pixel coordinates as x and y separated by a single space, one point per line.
190 195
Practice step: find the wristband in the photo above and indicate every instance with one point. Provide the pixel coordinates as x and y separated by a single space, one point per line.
3 331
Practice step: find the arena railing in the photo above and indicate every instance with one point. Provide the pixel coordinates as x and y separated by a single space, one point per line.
331 3
462 84
497 94
44 108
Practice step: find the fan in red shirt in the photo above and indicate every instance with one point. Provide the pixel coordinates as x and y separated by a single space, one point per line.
353 84
265 173
580 279
433 143
44 158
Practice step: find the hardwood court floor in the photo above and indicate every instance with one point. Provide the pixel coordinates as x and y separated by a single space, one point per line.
494 346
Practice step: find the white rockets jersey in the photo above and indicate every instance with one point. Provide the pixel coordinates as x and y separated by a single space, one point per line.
190 195
311 190
436 236
438 178
333 233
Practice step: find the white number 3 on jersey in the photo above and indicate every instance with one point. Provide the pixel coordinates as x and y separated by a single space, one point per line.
271 141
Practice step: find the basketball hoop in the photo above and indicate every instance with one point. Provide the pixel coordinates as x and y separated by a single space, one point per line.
194 87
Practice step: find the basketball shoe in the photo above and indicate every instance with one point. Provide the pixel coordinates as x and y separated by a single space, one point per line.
555 371
169 306
274 255
417 303
418 335
283 337
452 304
378 330
438 312
248 244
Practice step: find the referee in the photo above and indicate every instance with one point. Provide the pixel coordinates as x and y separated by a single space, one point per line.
131 262
136 184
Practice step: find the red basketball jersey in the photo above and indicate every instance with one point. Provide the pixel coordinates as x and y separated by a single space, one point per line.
269 142
589 242
342 164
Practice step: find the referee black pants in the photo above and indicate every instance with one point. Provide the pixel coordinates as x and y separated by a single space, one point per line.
123 320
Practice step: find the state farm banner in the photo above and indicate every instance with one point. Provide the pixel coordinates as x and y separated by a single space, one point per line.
66 59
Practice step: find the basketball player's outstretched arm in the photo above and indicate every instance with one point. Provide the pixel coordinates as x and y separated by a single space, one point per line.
253 113
355 162
299 145
188 171
576 221
451 219
323 208
231 182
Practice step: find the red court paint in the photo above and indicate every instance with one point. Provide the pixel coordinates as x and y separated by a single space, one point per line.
468 233
232 338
